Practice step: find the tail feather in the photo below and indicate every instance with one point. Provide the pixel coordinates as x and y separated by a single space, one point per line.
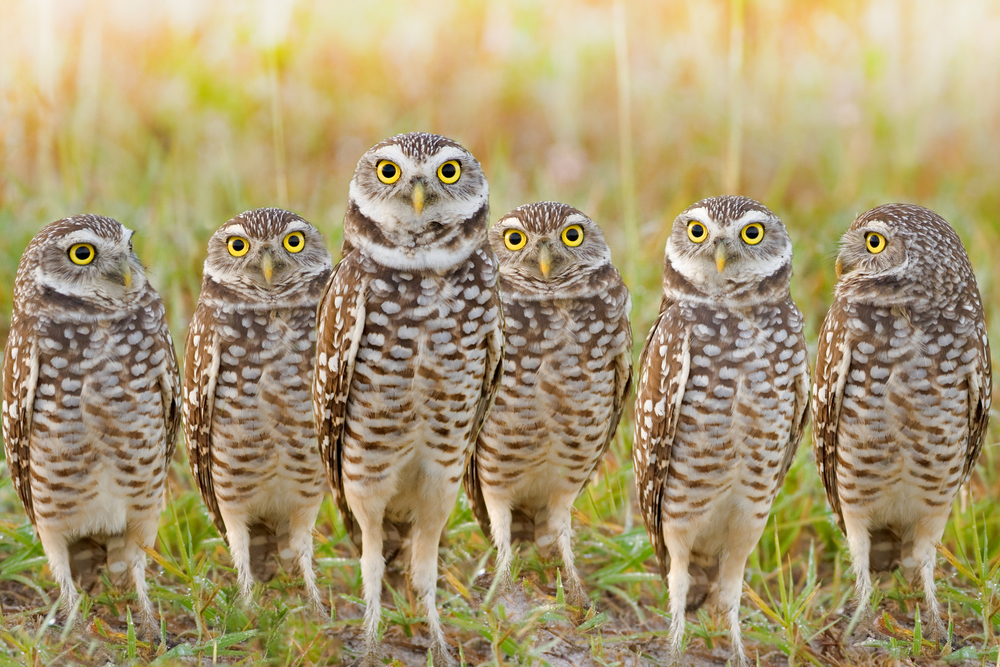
523 527
87 556
263 552
886 553
704 574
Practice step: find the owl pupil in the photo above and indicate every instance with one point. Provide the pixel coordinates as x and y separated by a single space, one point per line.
388 171
752 233
698 230
82 253
448 170
572 235
237 245
515 238
294 241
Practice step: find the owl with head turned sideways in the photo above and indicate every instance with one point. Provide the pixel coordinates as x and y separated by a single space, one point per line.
90 405
567 372
247 380
408 357
902 394
721 403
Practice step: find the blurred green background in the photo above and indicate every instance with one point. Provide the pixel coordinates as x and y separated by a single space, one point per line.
173 117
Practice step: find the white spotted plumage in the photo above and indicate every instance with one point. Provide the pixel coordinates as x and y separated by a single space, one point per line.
721 403
247 400
902 393
90 408
408 360
567 371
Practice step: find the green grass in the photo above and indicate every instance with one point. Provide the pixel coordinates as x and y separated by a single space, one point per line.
173 120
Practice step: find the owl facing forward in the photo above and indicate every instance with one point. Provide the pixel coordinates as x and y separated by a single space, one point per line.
90 404
407 357
247 380
902 394
567 371
721 402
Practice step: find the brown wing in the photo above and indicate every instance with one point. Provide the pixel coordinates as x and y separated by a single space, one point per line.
201 370
340 326
20 377
491 385
980 398
170 390
833 364
800 409
623 386
663 367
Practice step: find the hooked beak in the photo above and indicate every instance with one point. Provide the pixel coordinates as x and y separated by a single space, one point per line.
267 266
840 267
418 197
720 255
123 275
545 260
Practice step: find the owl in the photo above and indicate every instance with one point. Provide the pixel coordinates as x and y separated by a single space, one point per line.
91 399
408 357
902 393
248 368
721 403
567 371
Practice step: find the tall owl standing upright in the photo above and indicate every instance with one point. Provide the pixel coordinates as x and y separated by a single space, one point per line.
902 393
90 403
247 391
567 371
721 403
407 356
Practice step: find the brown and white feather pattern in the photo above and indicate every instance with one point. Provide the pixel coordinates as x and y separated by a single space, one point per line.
903 388
721 402
567 371
409 344
90 409
248 404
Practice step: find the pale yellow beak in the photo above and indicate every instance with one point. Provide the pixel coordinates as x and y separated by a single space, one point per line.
840 267
127 274
720 255
545 261
267 266
418 197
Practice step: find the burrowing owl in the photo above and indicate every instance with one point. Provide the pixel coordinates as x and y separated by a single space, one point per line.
247 380
407 355
567 371
902 393
721 403
90 403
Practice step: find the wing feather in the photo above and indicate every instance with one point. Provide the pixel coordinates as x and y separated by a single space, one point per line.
20 377
202 356
340 324
664 366
491 385
833 365
980 398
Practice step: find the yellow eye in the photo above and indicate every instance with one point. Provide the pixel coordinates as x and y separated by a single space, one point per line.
697 231
573 236
514 239
295 242
238 246
875 242
82 254
449 171
388 172
753 233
